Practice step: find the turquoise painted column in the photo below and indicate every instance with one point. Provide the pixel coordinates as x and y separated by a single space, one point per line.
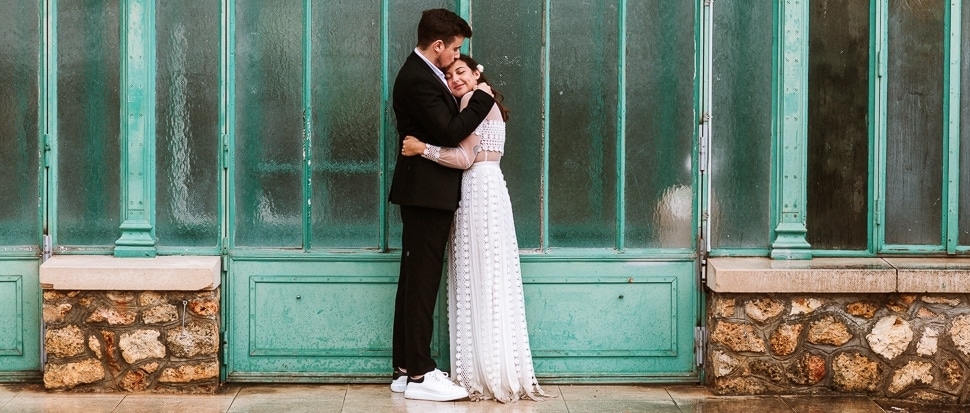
137 130
791 131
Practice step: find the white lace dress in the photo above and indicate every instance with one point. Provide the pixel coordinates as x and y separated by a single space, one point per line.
490 353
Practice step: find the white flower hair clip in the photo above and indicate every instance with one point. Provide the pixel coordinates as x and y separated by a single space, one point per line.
480 68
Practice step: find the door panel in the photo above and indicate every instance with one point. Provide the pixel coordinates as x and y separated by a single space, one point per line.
621 321
330 320
19 319
313 320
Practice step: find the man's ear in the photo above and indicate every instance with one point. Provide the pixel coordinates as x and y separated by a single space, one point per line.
438 46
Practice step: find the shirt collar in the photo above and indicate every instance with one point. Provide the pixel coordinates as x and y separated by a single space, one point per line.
435 69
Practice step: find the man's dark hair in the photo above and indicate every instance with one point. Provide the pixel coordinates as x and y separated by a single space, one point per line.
441 24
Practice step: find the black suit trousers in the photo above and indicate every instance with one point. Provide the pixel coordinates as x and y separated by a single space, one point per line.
424 239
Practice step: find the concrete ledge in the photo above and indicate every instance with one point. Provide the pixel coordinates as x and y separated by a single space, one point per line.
99 272
932 275
819 275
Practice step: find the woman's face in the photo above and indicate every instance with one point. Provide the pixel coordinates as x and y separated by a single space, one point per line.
461 78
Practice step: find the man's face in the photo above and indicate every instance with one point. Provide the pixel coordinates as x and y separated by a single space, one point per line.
448 53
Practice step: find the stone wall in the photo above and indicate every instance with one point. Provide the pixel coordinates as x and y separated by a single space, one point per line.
142 341
902 346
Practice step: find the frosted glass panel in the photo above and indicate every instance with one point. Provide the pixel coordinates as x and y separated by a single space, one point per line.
965 132
88 124
741 151
508 42
269 123
582 133
402 31
346 124
187 141
914 150
838 127
19 156
660 124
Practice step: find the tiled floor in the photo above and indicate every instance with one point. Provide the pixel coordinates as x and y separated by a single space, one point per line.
378 398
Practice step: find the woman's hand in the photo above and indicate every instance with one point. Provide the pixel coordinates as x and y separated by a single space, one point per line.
412 146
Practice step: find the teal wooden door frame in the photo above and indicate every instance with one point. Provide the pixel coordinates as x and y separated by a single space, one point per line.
307 313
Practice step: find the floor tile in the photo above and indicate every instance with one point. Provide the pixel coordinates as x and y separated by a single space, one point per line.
261 405
378 406
6 395
33 404
331 392
552 405
613 392
688 392
832 403
552 390
734 404
896 406
139 403
230 389
622 406
365 392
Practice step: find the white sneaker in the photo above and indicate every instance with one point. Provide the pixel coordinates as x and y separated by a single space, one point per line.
400 383
435 386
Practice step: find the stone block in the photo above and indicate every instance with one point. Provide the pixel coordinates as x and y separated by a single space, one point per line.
890 337
820 275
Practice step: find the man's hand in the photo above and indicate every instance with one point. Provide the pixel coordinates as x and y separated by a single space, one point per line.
412 146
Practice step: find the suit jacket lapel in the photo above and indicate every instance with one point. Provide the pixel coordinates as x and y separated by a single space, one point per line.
453 101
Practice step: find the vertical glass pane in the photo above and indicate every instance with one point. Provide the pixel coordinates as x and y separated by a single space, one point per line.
19 157
402 37
741 146
582 133
964 239
508 42
914 141
88 124
187 142
346 124
838 136
660 124
269 123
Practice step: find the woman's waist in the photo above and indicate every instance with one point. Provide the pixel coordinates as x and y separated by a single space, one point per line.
488 156
485 164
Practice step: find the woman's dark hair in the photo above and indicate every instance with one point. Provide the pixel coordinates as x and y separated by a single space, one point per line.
499 98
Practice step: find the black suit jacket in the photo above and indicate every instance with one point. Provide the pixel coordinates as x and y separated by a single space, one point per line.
426 109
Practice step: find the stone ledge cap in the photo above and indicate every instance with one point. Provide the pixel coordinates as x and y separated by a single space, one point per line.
818 275
932 275
108 273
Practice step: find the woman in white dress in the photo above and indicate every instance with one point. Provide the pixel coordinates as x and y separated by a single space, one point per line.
490 354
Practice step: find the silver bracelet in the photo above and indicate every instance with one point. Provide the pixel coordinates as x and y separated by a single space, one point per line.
431 152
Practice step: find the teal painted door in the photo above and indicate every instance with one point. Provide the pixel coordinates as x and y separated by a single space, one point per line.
20 192
601 163
19 319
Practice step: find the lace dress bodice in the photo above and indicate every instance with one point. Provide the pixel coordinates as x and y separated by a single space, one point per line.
491 133
488 136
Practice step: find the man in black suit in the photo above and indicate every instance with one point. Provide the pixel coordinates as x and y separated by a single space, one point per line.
427 194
